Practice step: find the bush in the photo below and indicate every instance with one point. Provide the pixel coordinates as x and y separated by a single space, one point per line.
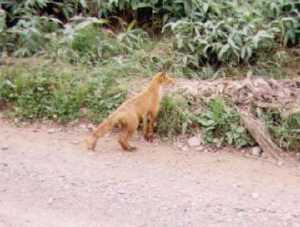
174 116
285 131
93 45
44 93
221 125
205 32
224 32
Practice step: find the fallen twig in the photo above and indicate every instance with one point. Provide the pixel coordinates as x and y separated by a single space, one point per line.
258 131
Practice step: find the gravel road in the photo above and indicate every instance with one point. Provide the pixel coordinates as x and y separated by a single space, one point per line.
47 179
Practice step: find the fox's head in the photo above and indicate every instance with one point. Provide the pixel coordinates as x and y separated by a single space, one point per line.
164 79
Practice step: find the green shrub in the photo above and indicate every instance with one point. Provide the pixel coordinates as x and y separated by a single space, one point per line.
174 117
205 32
285 16
44 93
29 35
221 125
104 97
94 45
224 32
285 131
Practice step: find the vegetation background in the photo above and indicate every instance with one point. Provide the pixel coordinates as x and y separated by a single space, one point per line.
68 60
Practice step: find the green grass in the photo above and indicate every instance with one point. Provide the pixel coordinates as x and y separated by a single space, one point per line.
64 92
285 131
221 125
58 94
174 117
86 75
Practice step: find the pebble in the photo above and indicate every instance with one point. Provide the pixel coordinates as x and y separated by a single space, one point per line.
194 141
200 149
4 164
229 219
90 126
179 145
240 214
254 195
237 186
121 192
51 131
50 200
185 148
35 130
279 163
4 148
75 142
256 151
83 126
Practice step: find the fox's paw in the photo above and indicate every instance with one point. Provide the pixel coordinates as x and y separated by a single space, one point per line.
131 149
90 144
149 138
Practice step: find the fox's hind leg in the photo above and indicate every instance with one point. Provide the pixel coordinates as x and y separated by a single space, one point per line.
128 128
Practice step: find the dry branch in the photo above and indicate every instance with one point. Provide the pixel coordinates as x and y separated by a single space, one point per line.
258 131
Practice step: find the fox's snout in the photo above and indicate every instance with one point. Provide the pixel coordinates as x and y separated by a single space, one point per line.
171 81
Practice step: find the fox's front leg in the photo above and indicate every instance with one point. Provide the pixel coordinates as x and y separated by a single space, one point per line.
145 126
151 117
91 142
147 129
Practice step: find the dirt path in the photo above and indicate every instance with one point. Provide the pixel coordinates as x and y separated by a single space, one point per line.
47 179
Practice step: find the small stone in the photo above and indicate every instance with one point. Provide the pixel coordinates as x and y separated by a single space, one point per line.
35 130
179 145
256 151
4 164
51 131
237 186
185 148
83 126
194 141
50 200
279 163
254 195
90 126
240 214
200 148
121 192
75 142
229 219
4 148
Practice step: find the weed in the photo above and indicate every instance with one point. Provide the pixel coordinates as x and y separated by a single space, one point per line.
221 125
58 95
174 116
231 33
285 131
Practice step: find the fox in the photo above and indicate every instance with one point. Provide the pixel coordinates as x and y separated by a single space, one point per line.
142 107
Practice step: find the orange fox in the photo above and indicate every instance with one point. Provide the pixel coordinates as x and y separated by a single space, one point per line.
143 106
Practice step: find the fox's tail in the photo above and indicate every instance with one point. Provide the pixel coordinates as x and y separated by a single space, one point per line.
103 128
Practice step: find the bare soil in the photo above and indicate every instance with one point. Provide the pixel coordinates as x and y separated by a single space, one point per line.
48 179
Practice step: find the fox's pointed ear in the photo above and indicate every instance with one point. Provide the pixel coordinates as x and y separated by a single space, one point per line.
163 74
